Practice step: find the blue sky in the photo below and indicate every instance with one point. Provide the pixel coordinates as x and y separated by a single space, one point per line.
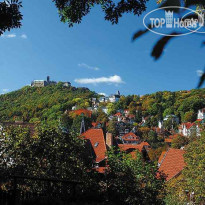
95 52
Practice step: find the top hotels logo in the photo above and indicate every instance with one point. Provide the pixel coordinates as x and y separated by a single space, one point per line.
162 20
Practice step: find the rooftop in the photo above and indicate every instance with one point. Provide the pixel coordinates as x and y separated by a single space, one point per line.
97 140
171 163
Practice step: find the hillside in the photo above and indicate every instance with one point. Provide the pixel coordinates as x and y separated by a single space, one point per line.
184 104
33 104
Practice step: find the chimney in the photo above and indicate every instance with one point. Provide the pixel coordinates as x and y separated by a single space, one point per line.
109 139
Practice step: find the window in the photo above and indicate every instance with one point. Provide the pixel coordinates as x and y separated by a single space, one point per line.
96 144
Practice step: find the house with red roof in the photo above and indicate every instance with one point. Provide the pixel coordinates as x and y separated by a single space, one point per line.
118 116
133 148
97 124
126 112
146 145
188 129
171 163
97 141
87 113
169 139
130 138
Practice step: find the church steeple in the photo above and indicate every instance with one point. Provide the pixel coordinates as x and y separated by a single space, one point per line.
82 127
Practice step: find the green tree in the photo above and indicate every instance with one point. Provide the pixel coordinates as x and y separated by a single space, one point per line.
170 123
10 15
194 171
179 141
189 116
132 181
47 153
153 139
112 127
132 108
111 108
113 10
102 117
76 125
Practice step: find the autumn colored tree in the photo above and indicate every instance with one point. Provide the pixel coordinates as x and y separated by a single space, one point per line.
144 132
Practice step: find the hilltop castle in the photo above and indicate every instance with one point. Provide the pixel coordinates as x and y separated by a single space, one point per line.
44 83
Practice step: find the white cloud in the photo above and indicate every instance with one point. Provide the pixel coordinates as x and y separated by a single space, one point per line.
13 35
84 65
24 36
115 79
9 36
200 72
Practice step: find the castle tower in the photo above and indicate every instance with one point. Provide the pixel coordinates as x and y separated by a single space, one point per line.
48 78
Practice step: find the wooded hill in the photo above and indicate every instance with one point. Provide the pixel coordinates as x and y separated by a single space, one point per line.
33 104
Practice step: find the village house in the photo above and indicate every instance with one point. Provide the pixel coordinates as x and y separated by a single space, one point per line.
114 98
133 148
174 118
98 146
103 99
171 163
130 138
119 116
169 139
126 112
201 114
189 129
85 112
122 128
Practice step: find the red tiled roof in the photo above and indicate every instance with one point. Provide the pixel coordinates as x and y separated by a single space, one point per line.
125 147
168 140
171 137
118 114
126 137
161 157
172 162
145 144
87 113
131 116
101 170
97 140
188 124
94 124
